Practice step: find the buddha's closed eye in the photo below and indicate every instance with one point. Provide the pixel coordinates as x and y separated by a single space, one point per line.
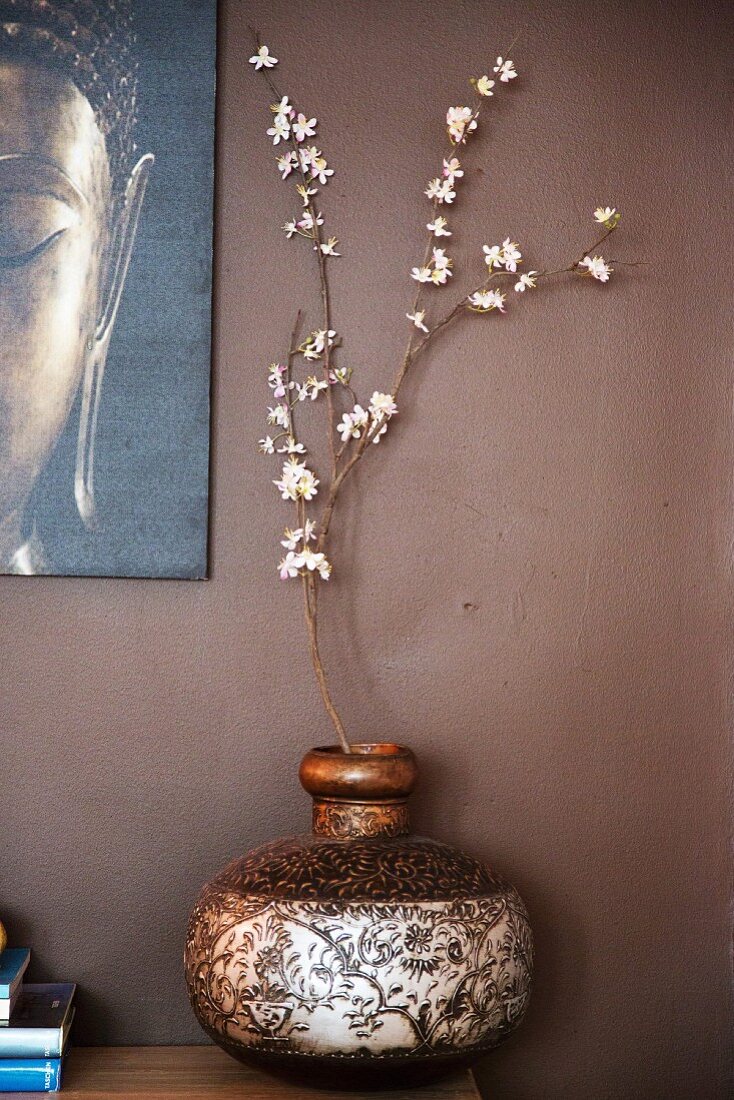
30 223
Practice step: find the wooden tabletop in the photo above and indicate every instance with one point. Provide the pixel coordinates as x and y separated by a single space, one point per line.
207 1073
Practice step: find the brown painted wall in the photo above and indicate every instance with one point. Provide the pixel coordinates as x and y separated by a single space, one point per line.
533 580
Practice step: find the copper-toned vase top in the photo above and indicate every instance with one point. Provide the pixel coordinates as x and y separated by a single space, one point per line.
363 793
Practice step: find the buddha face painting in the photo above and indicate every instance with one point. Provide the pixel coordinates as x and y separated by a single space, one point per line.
70 196
105 285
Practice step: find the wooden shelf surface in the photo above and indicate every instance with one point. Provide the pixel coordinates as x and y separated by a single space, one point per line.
207 1073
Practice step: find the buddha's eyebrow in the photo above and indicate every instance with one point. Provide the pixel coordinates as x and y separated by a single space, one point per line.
40 174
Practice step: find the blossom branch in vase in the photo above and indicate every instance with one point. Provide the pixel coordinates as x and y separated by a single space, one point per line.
367 422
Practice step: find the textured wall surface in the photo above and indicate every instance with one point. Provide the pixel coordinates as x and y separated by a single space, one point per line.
533 578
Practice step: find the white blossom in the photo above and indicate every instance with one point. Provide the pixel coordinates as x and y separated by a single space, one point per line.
607 216
484 86
314 163
382 406
525 281
321 336
438 227
460 122
452 170
280 415
307 156
306 193
597 268
312 387
280 130
296 481
511 255
301 534
440 259
286 164
492 255
276 380
315 562
481 301
445 192
267 445
287 484
314 347
290 228
421 274
290 566
328 248
417 319
351 424
604 214
319 170
307 221
304 127
263 59
506 70
440 190
506 255
292 538
283 108
290 446
441 266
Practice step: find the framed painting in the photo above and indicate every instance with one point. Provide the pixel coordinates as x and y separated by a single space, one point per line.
106 195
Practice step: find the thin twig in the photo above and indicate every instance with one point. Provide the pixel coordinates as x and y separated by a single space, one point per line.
309 593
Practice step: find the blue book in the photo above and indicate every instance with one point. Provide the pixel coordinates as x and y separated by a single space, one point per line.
40 1025
30 1075
13 964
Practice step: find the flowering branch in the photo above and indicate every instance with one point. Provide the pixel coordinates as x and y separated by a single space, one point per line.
367 423
483 299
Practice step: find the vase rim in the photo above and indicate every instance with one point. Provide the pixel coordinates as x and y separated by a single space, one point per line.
375 771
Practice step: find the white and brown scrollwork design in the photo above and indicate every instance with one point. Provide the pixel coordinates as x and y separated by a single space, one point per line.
379 979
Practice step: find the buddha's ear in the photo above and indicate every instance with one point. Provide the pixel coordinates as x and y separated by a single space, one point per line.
118 262
121 249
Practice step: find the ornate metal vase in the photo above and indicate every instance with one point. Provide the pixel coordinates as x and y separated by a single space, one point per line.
360 955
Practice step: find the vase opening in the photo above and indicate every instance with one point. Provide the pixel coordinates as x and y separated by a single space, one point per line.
377 748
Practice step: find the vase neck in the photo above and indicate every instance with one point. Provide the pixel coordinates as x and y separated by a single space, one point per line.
362 793
342 819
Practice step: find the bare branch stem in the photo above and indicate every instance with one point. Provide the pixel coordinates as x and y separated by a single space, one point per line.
310 611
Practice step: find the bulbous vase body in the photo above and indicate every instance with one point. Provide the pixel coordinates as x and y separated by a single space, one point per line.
360 955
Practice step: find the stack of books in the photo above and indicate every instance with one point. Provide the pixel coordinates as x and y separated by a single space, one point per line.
35 1021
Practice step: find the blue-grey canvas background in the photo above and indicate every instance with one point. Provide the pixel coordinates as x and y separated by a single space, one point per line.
152 449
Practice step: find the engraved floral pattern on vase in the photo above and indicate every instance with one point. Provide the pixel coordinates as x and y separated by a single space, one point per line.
360 978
